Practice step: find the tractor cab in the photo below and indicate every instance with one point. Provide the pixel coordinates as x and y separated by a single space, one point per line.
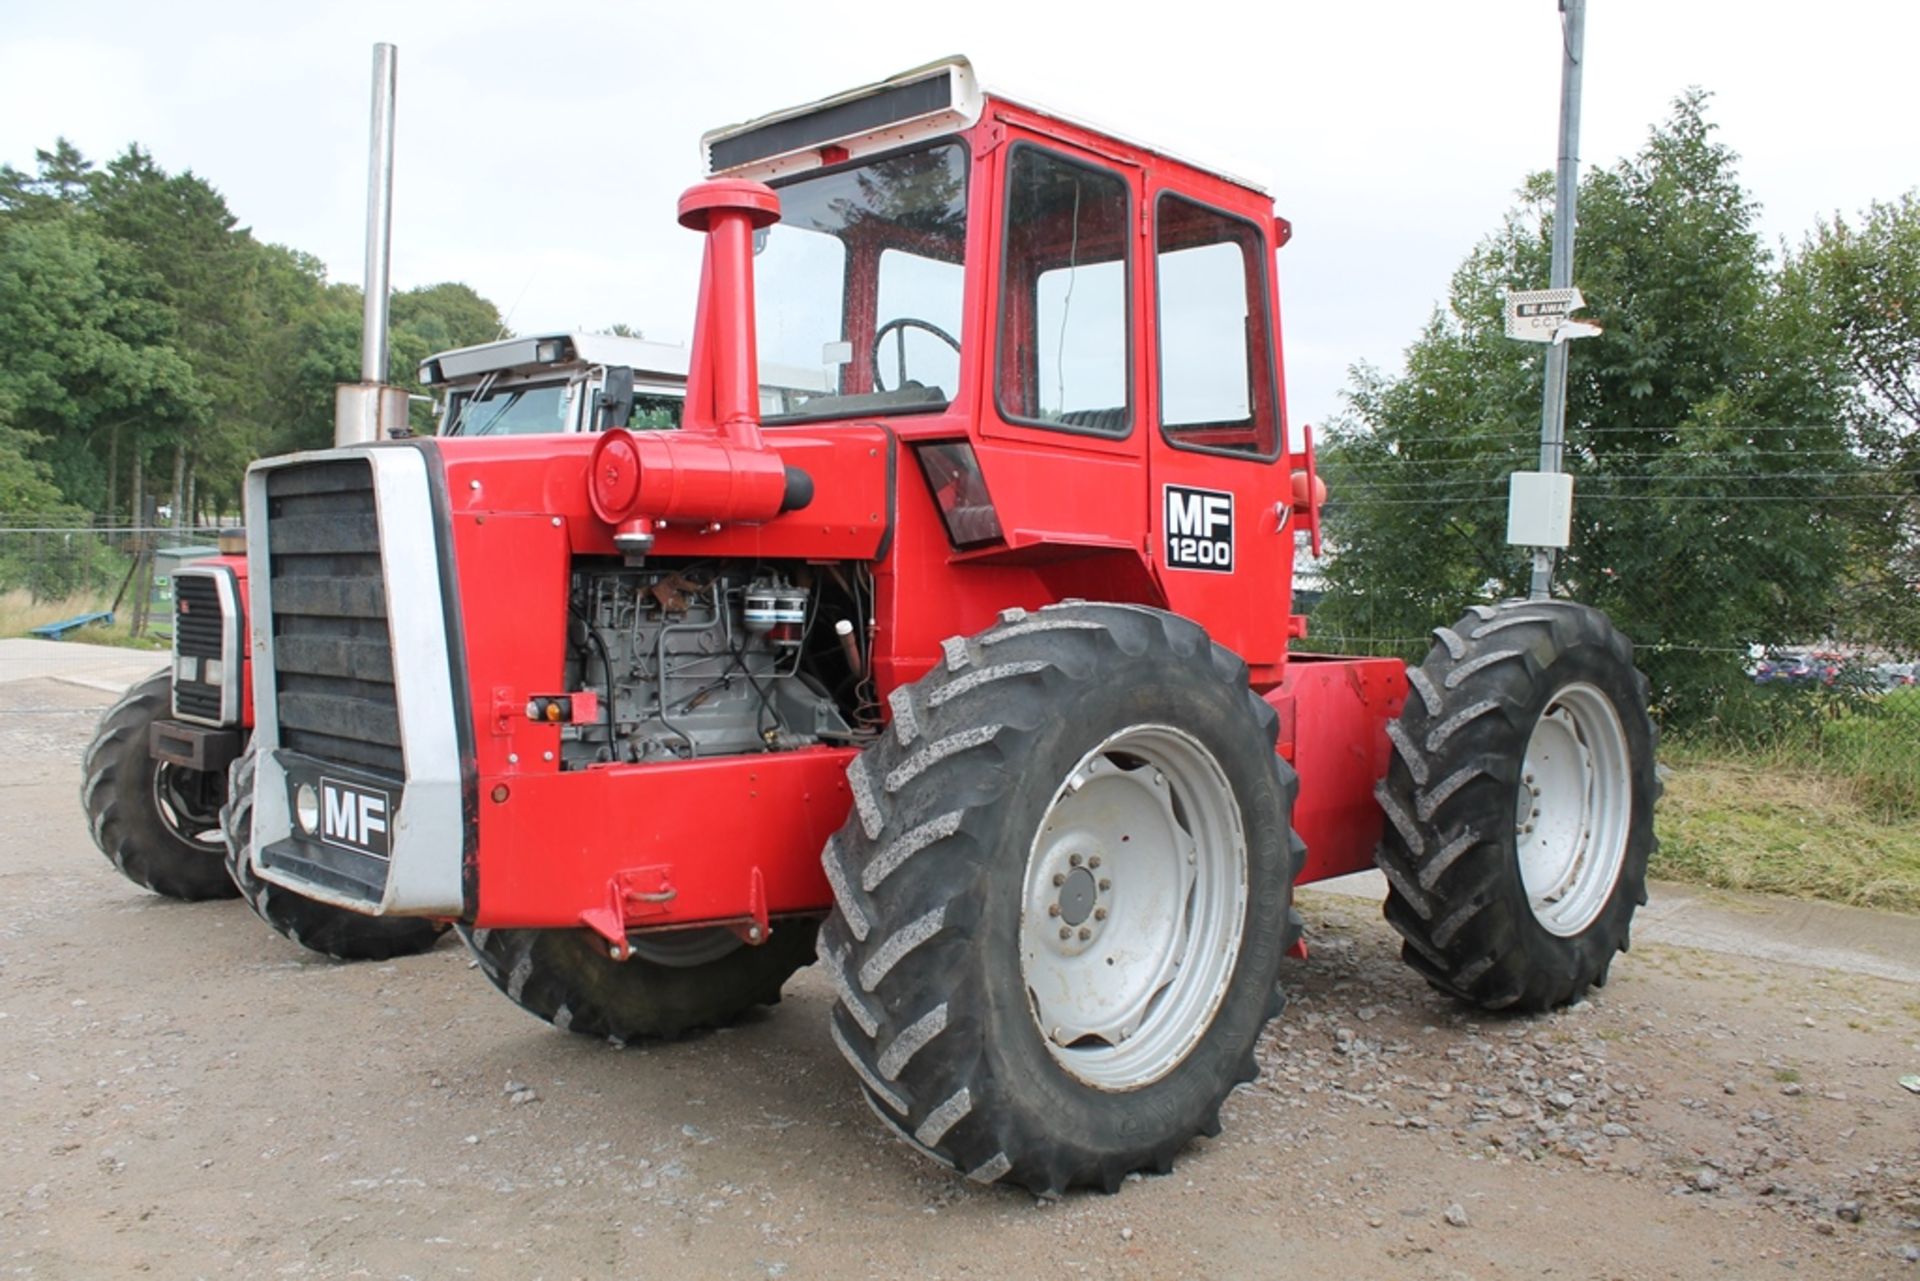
1077 335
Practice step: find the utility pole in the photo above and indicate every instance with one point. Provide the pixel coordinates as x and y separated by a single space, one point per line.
1566 193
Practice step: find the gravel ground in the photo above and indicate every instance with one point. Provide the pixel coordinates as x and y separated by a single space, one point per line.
186 1094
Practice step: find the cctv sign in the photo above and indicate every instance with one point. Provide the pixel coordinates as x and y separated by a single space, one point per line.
1537 315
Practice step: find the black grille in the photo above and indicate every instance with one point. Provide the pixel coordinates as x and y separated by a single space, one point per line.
198 625
332 655
197 618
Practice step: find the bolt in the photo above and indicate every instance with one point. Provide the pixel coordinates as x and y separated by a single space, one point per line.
546 756
1074 859
1105 884
1059 878
1053 909
1066 931
513 758
556 522
1085 933
473 484
1529 778
1094 861
1099 913
753 934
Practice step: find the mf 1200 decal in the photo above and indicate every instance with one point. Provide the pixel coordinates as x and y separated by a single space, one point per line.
1199 525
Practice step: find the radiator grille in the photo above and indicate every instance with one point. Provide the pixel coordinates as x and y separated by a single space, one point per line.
198 624
332 652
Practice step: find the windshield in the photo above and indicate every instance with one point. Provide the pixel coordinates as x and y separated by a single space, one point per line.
859 284
524 410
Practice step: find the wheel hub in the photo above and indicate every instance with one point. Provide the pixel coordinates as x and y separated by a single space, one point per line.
1077 896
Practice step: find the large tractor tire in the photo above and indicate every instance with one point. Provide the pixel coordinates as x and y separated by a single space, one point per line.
333 931
1062 897
1519 805
672 984
158 823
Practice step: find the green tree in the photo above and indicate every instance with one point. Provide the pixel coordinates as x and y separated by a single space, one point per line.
1856 286
86 352
1695 422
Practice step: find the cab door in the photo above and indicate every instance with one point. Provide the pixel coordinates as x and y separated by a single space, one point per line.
1221 523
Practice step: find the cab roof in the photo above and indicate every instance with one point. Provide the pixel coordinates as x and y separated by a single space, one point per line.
928 101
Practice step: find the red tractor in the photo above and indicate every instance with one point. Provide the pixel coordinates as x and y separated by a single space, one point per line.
967 672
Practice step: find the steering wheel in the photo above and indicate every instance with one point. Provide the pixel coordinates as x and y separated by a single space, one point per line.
904 323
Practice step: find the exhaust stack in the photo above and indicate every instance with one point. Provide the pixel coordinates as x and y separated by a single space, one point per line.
371 409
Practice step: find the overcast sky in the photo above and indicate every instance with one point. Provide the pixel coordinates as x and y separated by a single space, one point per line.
541 147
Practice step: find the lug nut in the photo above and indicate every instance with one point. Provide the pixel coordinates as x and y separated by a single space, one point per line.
1094 861
1066 932
1053 909
1074 860
1059 878
1099 913
1085 933
1105 884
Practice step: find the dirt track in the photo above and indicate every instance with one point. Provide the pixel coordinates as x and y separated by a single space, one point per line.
187 1094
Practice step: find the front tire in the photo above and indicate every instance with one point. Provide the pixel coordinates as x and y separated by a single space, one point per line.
673 983
319 927
156 822
1519 805
1062 897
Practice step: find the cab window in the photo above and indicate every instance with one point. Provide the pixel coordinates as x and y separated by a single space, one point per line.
1214 330
1064 359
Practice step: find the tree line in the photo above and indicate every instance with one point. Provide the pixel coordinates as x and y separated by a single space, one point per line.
1742 433
151 346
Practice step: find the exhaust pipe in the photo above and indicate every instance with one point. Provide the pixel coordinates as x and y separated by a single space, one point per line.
371 409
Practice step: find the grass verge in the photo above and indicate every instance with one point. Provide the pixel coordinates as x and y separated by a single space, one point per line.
20 613
1777 824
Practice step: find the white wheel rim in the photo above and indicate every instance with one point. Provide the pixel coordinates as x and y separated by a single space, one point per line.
1134 903
176 819
1572 809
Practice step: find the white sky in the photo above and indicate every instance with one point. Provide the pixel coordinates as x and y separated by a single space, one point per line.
541 148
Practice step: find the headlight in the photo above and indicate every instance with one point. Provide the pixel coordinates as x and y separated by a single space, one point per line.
306 808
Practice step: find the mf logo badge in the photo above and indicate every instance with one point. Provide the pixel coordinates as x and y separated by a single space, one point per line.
1199 529
354 818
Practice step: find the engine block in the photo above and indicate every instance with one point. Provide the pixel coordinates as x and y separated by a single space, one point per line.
691 661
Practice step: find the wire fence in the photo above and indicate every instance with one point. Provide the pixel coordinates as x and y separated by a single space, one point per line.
83 578
1771 587
1770 582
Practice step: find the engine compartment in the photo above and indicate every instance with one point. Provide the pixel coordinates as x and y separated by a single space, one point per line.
716 658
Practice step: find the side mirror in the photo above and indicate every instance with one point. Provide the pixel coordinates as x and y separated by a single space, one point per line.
615 402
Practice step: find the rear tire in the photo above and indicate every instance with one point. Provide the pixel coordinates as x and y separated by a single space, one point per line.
1519 805
1101 770
672 984
156 822
319 927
